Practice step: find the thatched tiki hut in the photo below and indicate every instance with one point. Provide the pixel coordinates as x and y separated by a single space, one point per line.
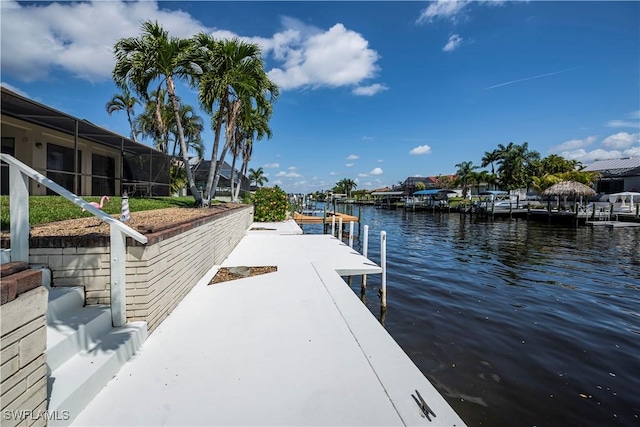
569 189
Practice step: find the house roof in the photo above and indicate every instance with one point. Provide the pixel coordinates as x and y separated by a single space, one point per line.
22 108
627 166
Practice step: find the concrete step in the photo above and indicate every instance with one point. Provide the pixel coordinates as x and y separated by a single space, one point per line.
78 330
75 383
62 300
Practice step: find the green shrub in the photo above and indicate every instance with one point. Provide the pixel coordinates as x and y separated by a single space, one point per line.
270 204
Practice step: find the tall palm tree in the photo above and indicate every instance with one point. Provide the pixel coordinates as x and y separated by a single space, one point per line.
154 57
123 102
232 70
345 186
464 175
258 176
254 125
517 166
489 158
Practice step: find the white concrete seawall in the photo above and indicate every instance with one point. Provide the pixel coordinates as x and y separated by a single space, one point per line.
294 347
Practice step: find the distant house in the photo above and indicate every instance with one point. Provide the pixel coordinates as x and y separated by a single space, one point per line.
617 175
201 173
430 183
84 158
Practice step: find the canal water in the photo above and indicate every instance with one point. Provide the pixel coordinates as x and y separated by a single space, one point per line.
516 323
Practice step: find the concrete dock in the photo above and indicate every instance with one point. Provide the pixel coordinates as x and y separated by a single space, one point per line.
294 347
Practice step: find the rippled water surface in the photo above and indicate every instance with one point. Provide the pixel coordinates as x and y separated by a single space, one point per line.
515 323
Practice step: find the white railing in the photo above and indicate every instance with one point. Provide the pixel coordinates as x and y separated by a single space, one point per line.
19 218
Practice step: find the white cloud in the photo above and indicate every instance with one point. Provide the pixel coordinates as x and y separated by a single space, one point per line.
587 157
362 175
271 166
446 9
621 140
376 171
277 182
335 57
352 157
574 144
380 161
420 149
41 39
292 168
632 121
349 165
288 174
369 90
622 124
454 41
367 138
77 37
332 173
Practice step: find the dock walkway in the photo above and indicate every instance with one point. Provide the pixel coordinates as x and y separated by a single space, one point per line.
294 347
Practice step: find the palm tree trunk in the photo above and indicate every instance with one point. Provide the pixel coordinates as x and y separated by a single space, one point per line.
230 127
133 132
183 146
233 175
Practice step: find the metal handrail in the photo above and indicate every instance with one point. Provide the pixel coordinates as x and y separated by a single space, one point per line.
19 219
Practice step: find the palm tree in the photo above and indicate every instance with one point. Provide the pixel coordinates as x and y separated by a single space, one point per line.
489 158
253 126
517 166
258 176
345 186
154 57
464 175
123 102
233 70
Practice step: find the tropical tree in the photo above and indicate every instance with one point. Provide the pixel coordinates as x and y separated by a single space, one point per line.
252 127
258 176
517 166
490 158
464 175
124 102
233 74
555 164
157 58
345 185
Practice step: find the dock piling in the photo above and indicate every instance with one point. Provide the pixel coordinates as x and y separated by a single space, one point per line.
383 264
365 249
340 229
333 225
351 234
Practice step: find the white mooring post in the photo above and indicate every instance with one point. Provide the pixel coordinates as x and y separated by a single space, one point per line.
340 229
118 278
333 225
365 250
351 234
383 264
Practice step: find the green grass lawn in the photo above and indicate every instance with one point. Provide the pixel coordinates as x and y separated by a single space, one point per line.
43 209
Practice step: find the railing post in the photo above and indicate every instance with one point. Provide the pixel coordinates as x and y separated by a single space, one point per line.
340 229
333 225
118 278
19 212
383 264
351 234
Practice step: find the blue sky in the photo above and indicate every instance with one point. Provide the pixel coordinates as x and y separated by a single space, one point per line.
372 91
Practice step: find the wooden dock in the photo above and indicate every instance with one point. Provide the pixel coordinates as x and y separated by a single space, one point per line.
308 219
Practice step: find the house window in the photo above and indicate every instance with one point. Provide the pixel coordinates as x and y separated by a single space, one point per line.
60 167
8 147
103 175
